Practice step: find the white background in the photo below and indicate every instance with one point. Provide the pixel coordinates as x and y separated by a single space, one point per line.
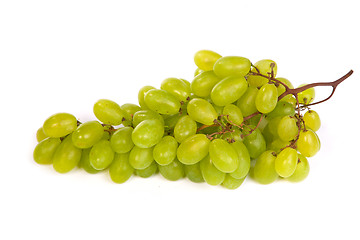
61 56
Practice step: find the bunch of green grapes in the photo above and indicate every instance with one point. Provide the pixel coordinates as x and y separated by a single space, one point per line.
233 120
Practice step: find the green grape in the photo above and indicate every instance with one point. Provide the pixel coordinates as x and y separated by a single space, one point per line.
170 121
232 183
308 143
256 81
173 171
203 83
85 162
59 125
106 135
263 67
101 155
266 99
267 135
184 128
273 126
287 128
234 136
148 171
109 112
246 102
254 142
162 102
302 170
307 96
45 150
210 173
178 88
193 149
234 114
277 144
205 59
66 156
201 111
223 156
121 141
40 135
232 66
141 158
142 115
244 160
282 109
193 173
130 108
120 170
198 71
165 151
312 120
228 90
186 82
148 133
286 161
87 134
281 89
264 169
141 96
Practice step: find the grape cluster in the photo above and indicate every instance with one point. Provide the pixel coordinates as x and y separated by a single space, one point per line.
233 120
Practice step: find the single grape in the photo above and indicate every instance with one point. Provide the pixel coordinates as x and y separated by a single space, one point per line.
184 128
109 112
178 88
173 171
40 135
162 102
87 134
66 156
210 173
286 161
201 111
223 156
266 99
170 121
148 171
59 125
198 71
85 162
246 102
101 155
307 96
302 170
233 114
141 96
142 115
121 141
203 83
141 158
308 143
244 160
193 149
274 126
120 170
287 128
282 109
186 82
193 173
44 150
281 89
232 66
254 142
232 183
130 108
264 169
265 68
205 59
148 133
277 144
165 151
228 90
312 120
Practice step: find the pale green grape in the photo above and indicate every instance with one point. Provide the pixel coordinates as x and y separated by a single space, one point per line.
302 170
264 169
282 109
274 126
101 155
121 140
263 67
205 59
210 173
148 133
266 99
141 96
255 142
201 111
85 162
66 156
232 66
44 150
203 83
162 102
308 143
228 90
120 170
170 121
148 171
165 151
286 161
193 149
141 158
233 113
59 125
40 135
142 115
186 82
307 96
109 112
184 128
193 173
287 128
176 87
198 71
87 134
130 108
223 156
173 171
244 160
281 89
256 81
232 183
246 102
312 120
277 144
